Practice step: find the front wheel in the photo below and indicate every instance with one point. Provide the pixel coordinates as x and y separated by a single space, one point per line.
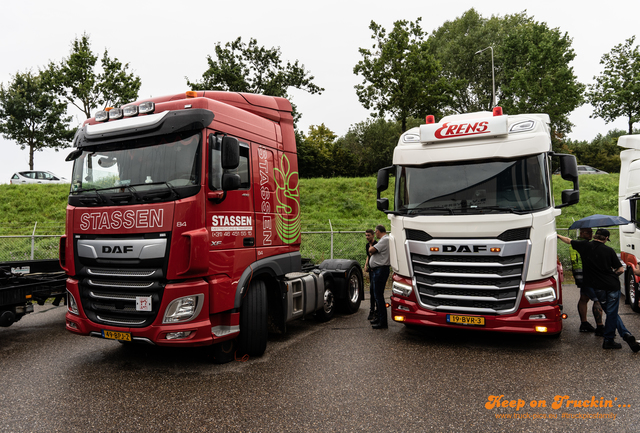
634 296
253 320
629 282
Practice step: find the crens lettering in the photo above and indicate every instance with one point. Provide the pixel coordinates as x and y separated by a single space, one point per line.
462 129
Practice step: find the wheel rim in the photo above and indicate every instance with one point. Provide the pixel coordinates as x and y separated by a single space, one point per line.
354 288
328 301
632 291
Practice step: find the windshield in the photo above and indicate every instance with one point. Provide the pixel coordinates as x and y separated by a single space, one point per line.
167 161
517 186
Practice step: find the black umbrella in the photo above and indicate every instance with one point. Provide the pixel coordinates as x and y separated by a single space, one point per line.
599 221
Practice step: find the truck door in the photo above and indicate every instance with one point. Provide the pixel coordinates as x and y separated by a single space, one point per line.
230 217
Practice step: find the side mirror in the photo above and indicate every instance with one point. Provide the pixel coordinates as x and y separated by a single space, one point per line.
382 204
382 184
230 153
569 171
230 181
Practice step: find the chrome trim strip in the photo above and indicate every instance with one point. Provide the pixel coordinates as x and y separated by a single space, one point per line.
222 330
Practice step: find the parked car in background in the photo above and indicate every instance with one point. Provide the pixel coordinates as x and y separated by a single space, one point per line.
585 169
33 176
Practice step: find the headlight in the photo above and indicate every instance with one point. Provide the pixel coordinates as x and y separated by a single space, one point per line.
183 309
72 305
537 296
401 289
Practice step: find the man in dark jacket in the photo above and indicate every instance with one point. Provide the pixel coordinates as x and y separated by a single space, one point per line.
601 268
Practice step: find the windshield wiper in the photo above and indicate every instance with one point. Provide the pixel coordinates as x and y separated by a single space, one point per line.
423 210
500 208
158 194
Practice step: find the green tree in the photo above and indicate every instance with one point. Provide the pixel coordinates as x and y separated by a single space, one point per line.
240 67
536 61
455 45
319 155
400 76
532 72
616 92
77 80
32 116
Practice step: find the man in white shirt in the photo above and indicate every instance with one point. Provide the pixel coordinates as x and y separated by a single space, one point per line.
379 264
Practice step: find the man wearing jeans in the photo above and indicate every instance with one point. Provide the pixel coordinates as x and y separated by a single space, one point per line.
379 264
601 270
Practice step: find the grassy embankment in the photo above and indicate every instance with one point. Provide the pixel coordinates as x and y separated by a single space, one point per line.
350 204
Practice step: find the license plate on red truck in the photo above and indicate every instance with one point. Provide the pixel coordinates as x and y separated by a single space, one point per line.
114 335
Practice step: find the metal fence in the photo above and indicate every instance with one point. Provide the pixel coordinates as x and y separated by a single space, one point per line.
315 245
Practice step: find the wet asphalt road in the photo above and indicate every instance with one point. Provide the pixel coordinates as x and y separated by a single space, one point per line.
339 376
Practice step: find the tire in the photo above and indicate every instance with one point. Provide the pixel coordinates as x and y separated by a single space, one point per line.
329 308
634 297
253 320
224 352
629 282
353 290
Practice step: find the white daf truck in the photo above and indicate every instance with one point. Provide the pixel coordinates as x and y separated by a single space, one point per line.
473 234
628 196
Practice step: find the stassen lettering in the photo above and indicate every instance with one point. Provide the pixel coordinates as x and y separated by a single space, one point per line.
463 248
230 221
448 130
129 219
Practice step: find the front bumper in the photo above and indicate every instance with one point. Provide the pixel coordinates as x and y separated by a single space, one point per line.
201 329
410 313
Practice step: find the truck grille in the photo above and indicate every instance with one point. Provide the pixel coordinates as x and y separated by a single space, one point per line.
482 282
110 288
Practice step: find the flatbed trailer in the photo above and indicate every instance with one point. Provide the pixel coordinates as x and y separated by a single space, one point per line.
25 282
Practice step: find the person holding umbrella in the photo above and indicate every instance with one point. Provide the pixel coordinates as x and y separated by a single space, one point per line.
601 270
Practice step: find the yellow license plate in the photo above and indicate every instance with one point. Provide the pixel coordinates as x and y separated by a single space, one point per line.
113 335
465 320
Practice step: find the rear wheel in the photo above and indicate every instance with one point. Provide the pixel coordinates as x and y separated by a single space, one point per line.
253 320
354 288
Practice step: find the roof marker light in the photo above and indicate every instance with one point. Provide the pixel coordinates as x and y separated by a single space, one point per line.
130 111
430 119
101 116
147 107
115 113
497 111
192 94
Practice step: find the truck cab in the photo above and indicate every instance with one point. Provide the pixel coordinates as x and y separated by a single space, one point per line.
628 195
473 236
183 226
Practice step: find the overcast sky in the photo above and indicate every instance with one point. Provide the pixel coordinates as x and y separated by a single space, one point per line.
166 41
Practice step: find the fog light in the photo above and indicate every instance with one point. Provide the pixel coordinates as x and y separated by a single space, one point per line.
183 309
71 325
72 306
398 318
537 316
404 308
178 335
541 329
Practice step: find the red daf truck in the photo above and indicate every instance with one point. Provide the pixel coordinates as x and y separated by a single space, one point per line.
183 226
